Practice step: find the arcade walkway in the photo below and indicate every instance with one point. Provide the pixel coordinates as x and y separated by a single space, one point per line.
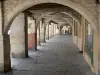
59 56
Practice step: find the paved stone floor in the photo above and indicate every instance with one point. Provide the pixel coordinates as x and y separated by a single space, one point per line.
59 56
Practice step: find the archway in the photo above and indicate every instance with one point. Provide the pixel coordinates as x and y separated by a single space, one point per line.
91 18
26 4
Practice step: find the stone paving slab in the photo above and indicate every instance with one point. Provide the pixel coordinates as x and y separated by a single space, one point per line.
58 56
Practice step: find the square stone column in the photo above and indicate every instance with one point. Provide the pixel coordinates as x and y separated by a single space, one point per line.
5 61
50 31
19 36
82 34
47 32
42 32
55 29
73 31
38 35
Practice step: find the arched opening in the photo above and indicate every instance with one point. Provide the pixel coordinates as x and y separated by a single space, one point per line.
27 4
66 29
46 28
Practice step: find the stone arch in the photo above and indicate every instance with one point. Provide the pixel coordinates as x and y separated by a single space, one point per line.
42 16
50 12
28 3
71 16
64 19
47 13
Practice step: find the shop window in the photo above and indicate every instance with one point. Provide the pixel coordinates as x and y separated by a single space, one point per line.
88 38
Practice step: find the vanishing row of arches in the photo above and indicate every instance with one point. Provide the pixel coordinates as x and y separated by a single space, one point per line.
28 27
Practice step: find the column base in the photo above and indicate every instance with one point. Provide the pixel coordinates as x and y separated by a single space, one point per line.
5 62
19 55
43 41
81 52
36 48
47 38
38 43
4 68
33 48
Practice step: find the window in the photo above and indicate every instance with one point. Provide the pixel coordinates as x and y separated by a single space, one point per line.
88 38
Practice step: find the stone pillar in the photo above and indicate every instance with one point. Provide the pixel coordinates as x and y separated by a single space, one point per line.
73 31
82 34
42 31
38 35
60 29
47 31
5 61
32 34
50 31
18 35
55 28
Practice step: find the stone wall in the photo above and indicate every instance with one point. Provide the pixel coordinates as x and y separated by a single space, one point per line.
18 37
